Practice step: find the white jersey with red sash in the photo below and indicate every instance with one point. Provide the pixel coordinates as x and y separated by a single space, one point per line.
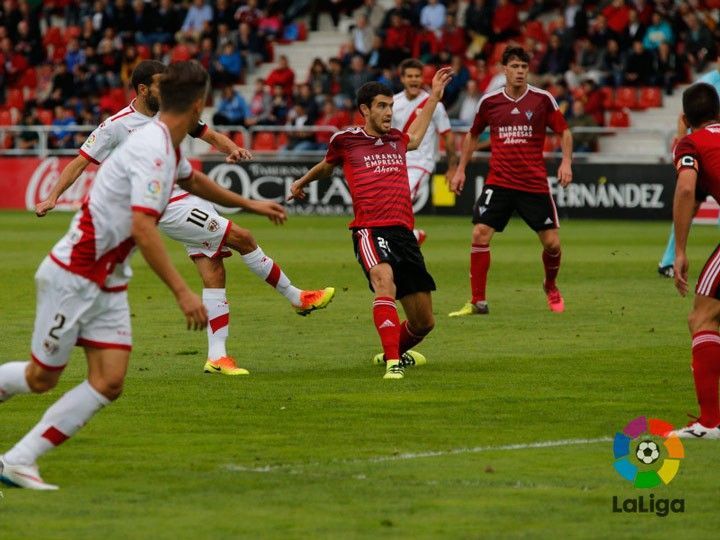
405 111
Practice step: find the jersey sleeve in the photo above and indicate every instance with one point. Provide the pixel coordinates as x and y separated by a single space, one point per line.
481 120
150 179
441 120
100 143
685 155
199 131
334 154
184 169
555 118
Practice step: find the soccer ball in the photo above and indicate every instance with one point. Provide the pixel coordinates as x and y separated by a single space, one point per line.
647 452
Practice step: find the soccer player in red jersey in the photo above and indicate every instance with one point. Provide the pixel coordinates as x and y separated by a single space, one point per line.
697 160
373 160
518 116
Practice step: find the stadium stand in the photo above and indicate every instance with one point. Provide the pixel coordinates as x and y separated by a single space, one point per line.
69 61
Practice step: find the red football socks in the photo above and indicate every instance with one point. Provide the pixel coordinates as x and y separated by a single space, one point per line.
387 324
706 372
479 266
551 262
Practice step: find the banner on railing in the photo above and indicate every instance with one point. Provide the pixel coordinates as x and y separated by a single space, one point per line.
604 191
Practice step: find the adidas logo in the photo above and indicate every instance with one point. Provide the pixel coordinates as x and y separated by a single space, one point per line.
387 324
515 111
378 142
549 221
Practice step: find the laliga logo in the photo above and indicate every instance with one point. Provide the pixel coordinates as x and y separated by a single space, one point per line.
45 177
647 456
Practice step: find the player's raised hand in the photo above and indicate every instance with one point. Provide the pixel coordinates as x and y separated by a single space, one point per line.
297 191
565 173
680 269
272 210
440 81
195 313
44 207
237 155
457 182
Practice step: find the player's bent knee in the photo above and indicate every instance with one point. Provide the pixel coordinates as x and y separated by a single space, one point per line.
111 389
40 384
241 240
482 234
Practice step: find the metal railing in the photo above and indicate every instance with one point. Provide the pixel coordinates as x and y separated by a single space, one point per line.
196 147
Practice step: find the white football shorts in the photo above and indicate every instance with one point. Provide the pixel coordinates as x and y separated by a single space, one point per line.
72 310
195 223
419 179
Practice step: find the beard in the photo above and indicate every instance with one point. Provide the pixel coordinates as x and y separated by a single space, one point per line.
152 103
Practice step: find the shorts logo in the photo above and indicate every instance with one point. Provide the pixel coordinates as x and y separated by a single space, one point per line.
482 210
638 451
153 187
549 221
50 347
213 225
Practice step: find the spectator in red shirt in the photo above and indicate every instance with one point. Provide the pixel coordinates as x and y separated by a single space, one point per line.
617 15
594 101
282 75
330 117
453 37
505 21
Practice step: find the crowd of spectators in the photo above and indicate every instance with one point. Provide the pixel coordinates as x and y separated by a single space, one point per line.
68 62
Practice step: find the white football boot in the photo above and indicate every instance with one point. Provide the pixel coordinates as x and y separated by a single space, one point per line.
23 476
696 431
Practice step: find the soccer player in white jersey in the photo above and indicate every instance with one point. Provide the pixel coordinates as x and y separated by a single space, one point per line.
82 284
207 236
407 105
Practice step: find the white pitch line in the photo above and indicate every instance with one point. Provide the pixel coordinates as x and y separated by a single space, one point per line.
420 455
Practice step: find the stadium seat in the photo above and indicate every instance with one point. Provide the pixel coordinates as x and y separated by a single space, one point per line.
619 119
608 97
238 139
626 97
535 30
6 118
53 36
29 78
358 119
282 139
264 141
15 98
302 31
45 116
428 72
143 52
72 32
650 96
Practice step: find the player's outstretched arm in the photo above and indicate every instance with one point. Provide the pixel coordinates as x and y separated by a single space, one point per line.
417 129
147 238
201 185
457 182
318 172
69 174
684 207
565 169
233 153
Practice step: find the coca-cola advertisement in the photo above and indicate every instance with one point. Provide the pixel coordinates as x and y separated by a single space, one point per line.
27 181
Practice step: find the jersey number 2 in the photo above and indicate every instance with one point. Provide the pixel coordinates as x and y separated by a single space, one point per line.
60 320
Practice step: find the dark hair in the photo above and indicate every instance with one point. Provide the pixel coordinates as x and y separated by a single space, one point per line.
511 52
144 72
368 91
409 63
700 104
182 84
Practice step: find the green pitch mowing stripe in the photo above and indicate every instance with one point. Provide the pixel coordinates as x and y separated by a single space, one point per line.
434 456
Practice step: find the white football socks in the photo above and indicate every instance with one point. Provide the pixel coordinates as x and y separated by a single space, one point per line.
218 321
266 269
12 380
61 421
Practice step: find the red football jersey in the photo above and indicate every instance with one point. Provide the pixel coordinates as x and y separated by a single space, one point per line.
700 150
376 174
517 136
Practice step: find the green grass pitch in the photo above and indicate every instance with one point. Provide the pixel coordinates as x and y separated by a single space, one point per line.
314 444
